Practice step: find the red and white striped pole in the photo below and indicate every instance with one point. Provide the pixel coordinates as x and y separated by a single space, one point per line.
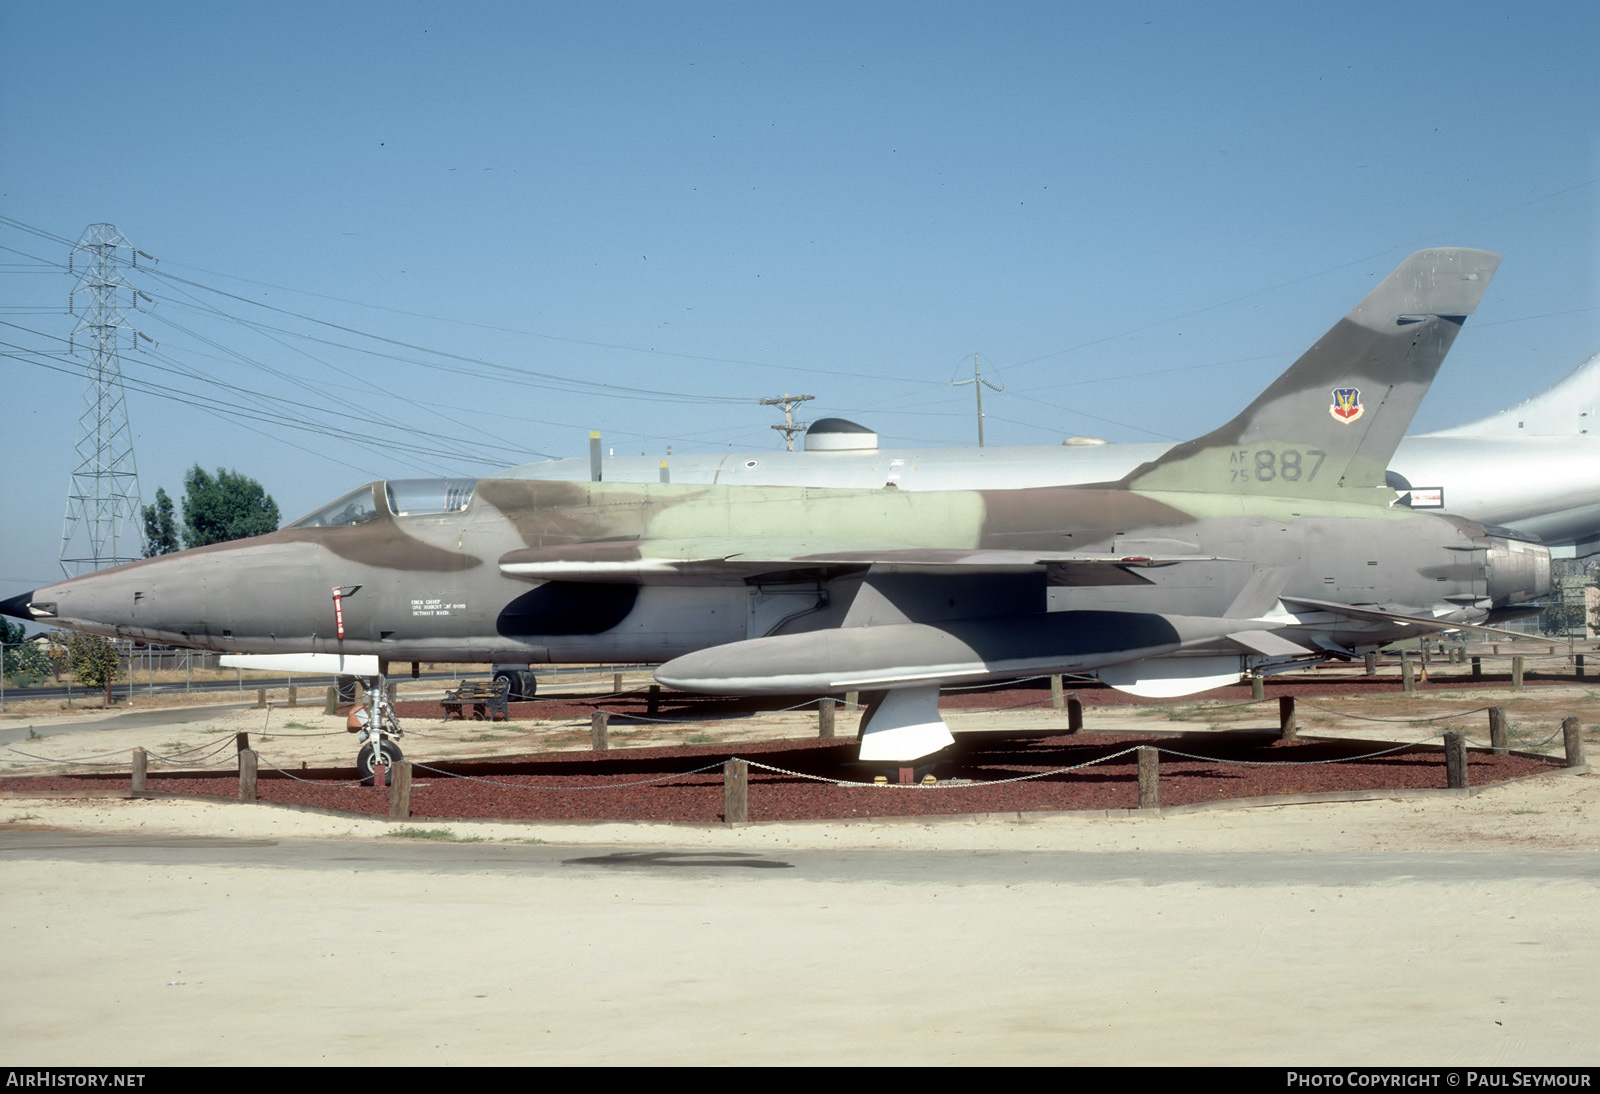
338 611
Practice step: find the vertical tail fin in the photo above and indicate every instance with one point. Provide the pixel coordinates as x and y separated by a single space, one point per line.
1568 408
1333 420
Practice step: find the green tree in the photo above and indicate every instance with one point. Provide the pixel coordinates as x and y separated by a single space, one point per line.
160 527
224 506
22 658
94 661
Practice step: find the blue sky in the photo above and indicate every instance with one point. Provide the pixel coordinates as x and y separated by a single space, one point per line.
644 218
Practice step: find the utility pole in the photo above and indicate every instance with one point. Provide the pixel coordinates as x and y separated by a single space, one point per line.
978 384
102 526
789 427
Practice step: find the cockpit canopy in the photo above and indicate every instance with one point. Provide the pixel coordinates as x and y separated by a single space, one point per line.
396 497
425 497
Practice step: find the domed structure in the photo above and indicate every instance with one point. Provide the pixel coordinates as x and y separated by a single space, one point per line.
840 435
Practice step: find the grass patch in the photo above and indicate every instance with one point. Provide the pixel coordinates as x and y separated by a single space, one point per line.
421 833
433 833
699 739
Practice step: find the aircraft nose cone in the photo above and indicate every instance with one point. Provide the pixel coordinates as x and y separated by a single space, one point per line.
18 606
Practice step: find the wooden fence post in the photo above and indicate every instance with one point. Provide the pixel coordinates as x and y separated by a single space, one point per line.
141 768
1572 737
735 792
1498 729
1455 760
247 775
825 718
1074 712
597 730
400 790
1149 777
1287 725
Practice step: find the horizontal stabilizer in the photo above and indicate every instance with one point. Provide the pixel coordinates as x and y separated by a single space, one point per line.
1377 615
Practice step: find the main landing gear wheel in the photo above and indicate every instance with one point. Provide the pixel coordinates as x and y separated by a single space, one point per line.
366 760
519 685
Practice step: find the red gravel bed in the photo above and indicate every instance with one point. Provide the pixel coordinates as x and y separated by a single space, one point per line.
616 786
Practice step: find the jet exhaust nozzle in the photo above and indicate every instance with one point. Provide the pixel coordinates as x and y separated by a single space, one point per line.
1518 568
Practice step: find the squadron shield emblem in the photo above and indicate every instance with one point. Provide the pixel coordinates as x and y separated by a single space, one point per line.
1346 404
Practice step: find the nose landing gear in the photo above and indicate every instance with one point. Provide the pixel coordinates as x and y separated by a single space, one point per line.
377 730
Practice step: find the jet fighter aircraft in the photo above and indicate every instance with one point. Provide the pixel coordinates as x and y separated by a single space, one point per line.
1272 541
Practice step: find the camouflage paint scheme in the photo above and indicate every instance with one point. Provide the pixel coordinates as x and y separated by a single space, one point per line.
1534 467
1269 542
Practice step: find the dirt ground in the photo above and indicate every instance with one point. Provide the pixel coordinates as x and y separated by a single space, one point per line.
1329 934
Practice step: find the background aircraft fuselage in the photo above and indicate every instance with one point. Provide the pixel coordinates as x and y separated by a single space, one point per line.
1534 467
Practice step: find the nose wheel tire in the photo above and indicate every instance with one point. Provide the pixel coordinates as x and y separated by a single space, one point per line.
367 759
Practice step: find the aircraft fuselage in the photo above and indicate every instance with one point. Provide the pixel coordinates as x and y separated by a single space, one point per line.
445 586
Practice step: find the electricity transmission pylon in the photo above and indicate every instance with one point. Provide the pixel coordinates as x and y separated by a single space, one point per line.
102 526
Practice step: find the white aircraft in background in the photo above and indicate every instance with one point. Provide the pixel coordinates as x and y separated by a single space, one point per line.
1534 467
